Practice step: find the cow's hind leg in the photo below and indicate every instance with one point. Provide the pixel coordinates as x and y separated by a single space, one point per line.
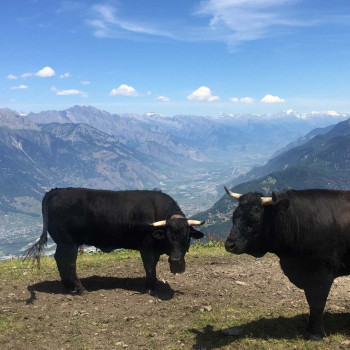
150 260
66 257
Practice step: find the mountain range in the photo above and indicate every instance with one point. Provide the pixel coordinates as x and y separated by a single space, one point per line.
196 137
189 157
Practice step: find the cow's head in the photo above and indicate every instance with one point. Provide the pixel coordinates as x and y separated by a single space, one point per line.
177 233
249 223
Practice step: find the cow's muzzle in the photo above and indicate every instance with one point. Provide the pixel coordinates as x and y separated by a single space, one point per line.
177 265
235 247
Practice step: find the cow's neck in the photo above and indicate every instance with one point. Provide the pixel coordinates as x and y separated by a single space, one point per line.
269 234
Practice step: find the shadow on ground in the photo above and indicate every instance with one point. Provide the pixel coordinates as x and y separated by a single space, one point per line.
275 328
96 283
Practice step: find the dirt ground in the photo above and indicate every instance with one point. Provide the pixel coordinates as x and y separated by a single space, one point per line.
217 291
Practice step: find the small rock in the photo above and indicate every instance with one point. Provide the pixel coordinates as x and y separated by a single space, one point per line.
206 308
241 283
345 344
232 331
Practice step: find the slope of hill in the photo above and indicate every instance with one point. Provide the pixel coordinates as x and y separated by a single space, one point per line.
74 154
322 162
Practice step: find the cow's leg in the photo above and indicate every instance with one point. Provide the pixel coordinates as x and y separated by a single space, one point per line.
150 260
66 256
316 296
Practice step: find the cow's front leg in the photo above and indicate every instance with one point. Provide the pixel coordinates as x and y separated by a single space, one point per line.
66 256
150 260
316 296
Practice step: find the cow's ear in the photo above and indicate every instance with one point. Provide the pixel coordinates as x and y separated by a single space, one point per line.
158 234
282 205
196 234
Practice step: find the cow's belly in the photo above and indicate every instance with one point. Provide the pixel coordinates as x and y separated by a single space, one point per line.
110 240
106 249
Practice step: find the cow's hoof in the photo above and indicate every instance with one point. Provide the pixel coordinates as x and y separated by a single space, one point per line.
151 291
82 291
314 334
315 337
77 291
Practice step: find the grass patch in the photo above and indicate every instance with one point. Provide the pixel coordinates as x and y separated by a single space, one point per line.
8 326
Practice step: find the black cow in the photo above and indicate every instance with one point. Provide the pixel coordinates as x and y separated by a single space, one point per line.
148 221
308 230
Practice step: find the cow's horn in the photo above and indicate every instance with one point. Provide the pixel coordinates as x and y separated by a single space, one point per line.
195 222
266 200
232 194
159 223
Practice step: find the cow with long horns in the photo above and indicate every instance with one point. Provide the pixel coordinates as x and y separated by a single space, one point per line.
308 230
148 221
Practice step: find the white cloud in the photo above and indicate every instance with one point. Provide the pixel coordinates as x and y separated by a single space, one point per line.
85 82
243 20
46 72
69 92
202 94
333 113
163 98
243 100
124 90
272 99
246 100
230 21
20 87
12 77
108 23
65 75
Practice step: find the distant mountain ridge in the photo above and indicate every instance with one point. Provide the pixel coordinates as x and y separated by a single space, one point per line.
137 132
197 137
321 162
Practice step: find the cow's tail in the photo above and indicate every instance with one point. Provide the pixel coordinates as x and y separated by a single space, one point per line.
36 251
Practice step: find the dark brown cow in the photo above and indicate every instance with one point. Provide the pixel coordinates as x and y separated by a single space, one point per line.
308 230
148 221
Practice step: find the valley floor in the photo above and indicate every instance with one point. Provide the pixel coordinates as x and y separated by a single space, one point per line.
216 292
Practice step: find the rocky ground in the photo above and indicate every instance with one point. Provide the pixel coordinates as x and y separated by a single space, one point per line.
191 310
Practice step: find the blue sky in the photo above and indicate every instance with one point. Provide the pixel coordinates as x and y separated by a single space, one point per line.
176 56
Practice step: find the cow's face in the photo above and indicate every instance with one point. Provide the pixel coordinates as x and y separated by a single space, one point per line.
177 235
246 234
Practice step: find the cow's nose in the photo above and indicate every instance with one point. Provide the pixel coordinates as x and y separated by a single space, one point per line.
229 246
